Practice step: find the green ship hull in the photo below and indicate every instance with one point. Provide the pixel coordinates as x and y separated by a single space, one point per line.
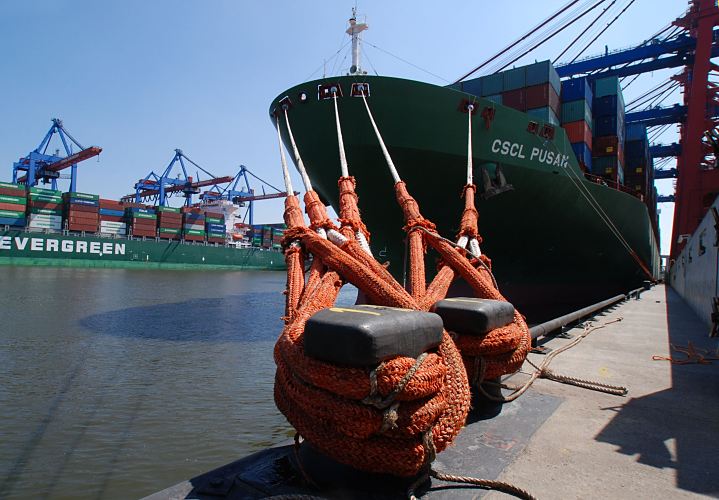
41 249
551 250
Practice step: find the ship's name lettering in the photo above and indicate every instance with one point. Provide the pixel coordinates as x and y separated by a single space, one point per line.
516 150
61 246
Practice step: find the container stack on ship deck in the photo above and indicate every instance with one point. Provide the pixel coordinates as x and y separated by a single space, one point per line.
169 223
215 227
142 220
45 209
12 204
112 218
576 118
82 211
639 167
193 224
608 146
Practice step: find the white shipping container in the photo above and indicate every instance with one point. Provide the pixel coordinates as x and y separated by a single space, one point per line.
113 231
44 225
45 218
108 224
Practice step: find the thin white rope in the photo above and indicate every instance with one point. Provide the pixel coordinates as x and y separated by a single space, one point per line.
298 159
387 157
584 191
285 170
470 108
340 141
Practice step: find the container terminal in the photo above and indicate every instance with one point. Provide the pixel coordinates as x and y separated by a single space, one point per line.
42 225
610 417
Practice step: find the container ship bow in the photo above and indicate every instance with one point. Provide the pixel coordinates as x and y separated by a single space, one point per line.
557 240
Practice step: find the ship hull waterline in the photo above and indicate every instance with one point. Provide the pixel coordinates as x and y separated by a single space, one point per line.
551 249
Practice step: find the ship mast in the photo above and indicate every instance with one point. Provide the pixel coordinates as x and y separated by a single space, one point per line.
354 31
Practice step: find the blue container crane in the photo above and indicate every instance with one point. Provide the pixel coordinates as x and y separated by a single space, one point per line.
160 187
235 193
39 166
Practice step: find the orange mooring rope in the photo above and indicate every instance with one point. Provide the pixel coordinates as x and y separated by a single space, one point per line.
393 417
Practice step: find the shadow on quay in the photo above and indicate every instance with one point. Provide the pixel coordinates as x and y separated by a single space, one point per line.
246 317
676 428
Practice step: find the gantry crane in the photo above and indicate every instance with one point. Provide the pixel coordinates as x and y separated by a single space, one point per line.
242 195
697 173
39 166
159 187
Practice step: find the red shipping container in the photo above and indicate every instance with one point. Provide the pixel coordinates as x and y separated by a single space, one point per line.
12 192
144 223
43 204
111 204
540 96
190 237
125 204
515 99
142 231
166 236
83 215
112 218
579 131
12 206
83 219
82 208
82 227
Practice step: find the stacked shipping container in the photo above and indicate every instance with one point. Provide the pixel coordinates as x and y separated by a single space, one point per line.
576 118
82 211
533 89
169 223
608 143
45 209
215 227
12 204
143 221
112 217
193 224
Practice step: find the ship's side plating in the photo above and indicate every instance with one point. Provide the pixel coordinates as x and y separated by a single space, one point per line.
71 250
547 237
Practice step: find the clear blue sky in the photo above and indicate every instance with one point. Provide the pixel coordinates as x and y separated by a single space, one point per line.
141 78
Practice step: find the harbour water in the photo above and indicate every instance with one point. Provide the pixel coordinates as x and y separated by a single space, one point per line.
117 383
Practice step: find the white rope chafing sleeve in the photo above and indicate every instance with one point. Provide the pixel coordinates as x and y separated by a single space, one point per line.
470 108
298 159
387 157
340 141
285 171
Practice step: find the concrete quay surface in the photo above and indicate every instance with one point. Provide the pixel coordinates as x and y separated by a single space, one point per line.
659 441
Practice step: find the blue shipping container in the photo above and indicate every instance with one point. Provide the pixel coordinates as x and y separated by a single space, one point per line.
115 213
609 125
497 98
6 221
492 84
473 87
514 79
636 132
219 228
139 210
608 105
583 154
575 89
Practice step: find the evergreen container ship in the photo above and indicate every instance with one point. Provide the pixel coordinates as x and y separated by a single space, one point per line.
557 239
45 227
